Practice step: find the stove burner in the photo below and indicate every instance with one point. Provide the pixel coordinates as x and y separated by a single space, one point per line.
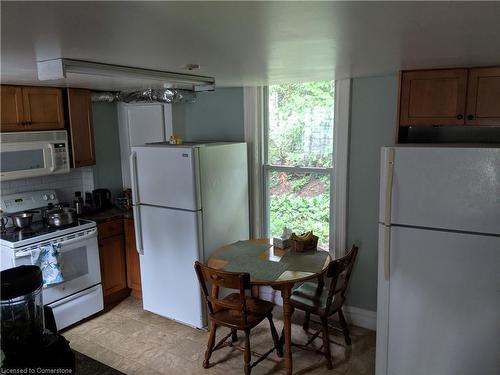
37 228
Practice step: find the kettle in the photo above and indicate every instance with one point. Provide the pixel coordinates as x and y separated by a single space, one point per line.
101 198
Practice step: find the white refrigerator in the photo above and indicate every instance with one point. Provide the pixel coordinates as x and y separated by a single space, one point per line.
188 200
439 261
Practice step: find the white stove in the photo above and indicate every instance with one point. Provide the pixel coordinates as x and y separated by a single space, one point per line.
39 233
80 294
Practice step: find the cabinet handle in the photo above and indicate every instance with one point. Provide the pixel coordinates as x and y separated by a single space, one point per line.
460 117
470 117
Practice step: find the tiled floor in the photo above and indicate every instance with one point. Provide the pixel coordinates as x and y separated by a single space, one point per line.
135 341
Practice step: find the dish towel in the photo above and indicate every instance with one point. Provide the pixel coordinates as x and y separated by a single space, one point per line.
47 258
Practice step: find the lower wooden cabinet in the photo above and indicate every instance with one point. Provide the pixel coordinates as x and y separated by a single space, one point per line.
113 262
120 268
132 257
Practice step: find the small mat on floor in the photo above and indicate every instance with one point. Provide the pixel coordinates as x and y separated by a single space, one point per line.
87 366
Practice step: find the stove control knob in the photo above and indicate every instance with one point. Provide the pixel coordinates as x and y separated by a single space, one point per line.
52 197
45 197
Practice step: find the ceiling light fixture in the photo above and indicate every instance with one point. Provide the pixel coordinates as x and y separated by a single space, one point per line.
59 68
192 66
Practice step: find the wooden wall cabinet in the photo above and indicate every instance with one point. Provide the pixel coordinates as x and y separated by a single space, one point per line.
12 115
81 130
31 108
450 97
433 97
113 261
483 97
133 265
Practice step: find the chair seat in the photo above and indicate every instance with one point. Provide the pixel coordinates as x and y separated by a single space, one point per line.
257 310
306 298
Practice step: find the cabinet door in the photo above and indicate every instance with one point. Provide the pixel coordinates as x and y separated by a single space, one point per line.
12 109
43 108
483 97
133 267
81 128
433 97
112 257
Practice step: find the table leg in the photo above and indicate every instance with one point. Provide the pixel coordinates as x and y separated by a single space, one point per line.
287 327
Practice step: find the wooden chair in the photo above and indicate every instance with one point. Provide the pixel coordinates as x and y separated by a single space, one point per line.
237 311
326 300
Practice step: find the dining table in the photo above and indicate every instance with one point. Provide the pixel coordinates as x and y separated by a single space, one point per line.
275 267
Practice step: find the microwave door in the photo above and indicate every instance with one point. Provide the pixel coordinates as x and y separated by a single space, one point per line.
26 160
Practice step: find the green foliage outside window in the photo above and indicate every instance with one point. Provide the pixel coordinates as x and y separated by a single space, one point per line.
300 135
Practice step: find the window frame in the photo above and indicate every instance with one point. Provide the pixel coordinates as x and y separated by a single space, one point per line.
255 116
267 168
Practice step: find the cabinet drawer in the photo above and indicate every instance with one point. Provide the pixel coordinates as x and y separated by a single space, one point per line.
110 228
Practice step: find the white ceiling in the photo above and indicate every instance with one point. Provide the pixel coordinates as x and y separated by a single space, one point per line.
250 43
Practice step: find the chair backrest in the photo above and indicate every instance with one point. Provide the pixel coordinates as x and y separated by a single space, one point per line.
339 271
208 276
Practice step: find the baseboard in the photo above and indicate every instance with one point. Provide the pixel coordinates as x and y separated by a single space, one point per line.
361 317
354 315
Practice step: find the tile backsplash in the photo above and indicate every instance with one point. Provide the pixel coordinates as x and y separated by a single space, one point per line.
78 179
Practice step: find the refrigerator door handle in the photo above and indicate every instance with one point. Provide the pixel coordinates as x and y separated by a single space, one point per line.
133 171
388 186
135 204
387 252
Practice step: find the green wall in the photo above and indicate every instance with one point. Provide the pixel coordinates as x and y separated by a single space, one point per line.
219 116
373 124
216 116
107 171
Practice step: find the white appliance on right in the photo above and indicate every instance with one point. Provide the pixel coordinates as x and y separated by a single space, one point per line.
439 261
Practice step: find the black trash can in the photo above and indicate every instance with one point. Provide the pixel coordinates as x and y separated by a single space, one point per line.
25 342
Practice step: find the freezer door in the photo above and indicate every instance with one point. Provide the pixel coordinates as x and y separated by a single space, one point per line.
442 187
440 309
171 244
166 176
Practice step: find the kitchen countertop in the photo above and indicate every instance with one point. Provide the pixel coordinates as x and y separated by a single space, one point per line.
113 213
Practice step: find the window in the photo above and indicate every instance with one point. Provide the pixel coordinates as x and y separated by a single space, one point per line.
298 159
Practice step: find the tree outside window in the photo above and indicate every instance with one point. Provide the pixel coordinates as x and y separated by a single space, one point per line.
299 158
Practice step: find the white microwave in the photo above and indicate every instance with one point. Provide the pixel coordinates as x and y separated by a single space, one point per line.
32 154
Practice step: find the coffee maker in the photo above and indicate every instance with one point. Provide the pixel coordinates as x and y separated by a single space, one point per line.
101 198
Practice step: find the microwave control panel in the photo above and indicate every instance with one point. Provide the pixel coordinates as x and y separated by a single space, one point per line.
61 156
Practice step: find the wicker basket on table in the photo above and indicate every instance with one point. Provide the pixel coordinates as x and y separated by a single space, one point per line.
304 242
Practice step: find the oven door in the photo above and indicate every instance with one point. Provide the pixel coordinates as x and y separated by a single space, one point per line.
26 159
79 261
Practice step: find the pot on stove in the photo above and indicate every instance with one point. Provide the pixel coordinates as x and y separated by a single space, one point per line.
22 220
60 217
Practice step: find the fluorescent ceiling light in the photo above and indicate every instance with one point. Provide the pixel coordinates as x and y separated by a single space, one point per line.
59 68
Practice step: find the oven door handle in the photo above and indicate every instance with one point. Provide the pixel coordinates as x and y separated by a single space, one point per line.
91 234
